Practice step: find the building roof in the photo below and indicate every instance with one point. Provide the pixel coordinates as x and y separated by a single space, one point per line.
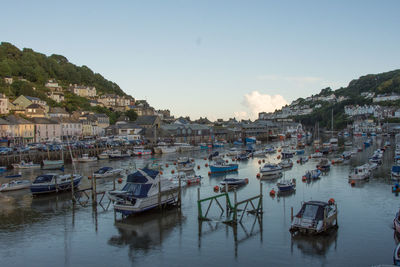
34 105
31 98
146 120
13 119
4 122
58 110
43 121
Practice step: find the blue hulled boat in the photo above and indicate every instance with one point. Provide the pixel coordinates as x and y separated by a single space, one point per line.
49 183
221 166
286 185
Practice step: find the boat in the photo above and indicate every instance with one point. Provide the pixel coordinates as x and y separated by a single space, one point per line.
259 154
324 165
141 192
312 175
300 152
286 163
104 155
387 143
396 255
396 223
50 183
337 160
286 154
15 185
168 149
395 172
25 165
185 164
117 154
360 173
250 140
286 185
244 156
3 169
85 158
106 172
303 160
271 169
316 155
346 155
315 217
232 152
220 165
348 143
238 143
232 183
52 164
141 151
270 149
186 179
13 175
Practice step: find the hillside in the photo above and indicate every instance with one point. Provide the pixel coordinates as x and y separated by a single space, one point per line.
37 68
382 83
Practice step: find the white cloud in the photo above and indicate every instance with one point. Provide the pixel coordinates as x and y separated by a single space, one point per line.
256 102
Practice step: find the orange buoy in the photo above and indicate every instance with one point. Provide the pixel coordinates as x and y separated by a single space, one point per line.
166 165
89 177
331 201
173 171
192 160
309 157
246 180
298 161
226 161
279 150
216 188
272 193
259 162
209 173
304 178
174 163
278 157
119 180
263 160
206 165
352 183
333 162
258 175
198 167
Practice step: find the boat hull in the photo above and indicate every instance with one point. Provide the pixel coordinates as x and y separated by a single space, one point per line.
228 168
52 188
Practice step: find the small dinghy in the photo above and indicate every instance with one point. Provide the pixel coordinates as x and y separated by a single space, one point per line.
15 185
286 185
18 175
26 165
312 175
106 172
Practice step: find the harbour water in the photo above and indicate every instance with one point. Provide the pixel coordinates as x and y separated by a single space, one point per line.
49 231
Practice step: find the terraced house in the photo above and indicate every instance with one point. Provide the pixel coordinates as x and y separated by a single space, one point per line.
21 131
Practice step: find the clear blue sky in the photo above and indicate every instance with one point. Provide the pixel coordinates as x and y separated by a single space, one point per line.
214 58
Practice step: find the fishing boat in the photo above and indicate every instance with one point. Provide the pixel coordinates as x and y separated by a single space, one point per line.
220 165
287 153
312 175
141 151
185 164
26 165
141 192
286 163
337 160
85 158
250 140
50 183
106 172
360 173
230 183
324 165
286 185
395 172
271 169
52 164
238 143
218 144
15 185
315 217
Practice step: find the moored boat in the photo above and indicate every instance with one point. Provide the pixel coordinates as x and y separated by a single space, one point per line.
230 183
220 165
395 172
362 172
106 172
26 165
50 183
52 164
270 169
141 151
141 192
185 164
324 165
312 175
286 185
286 163
15 185
85 158
315 217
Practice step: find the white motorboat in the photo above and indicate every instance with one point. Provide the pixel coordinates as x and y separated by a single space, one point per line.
271 169
141 192
104 155
233 152
26 165
49 183
360 173
316 155
106 172
52 164
185 164
15 185
168 149
286 163
85 158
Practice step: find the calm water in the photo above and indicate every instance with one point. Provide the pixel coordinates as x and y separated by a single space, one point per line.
47 231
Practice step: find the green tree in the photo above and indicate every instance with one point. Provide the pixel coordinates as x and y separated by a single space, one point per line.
131 114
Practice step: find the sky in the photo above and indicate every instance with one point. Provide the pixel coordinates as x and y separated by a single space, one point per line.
214 59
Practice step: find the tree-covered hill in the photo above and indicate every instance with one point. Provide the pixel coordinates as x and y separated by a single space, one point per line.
37 68
382 83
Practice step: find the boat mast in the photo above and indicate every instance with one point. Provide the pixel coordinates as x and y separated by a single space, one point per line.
332 123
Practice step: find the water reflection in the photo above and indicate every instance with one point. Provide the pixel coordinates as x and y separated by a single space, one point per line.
315 245
143 233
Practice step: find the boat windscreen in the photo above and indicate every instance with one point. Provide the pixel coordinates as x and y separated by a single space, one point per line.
43 179
137 190
313 212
